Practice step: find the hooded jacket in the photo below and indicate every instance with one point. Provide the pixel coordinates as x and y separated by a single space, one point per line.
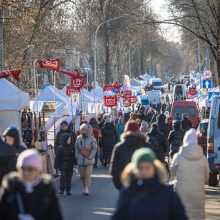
122 154
190 168
65 155
13 132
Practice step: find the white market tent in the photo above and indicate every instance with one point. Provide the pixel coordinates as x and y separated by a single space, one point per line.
12 100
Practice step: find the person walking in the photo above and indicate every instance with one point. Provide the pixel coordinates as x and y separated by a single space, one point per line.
7 159
12 137
145 192
109 139
28 194
64 161
163 128
186 123
158 142
120 127
175 138
144 129
131 140
97 133
86 148
191 171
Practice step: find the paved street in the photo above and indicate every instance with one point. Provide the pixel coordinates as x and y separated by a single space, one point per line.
100 204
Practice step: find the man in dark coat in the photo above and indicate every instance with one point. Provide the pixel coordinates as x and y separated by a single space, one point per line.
12 137
159 142
7 159
186 123
109 139
64 161
163 128
175 138
64 128
132 140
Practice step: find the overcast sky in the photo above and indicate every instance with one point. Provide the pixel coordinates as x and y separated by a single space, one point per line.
170 33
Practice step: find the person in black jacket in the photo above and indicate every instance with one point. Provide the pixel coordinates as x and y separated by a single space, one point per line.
163 128
7 159
28 194
175 138
12 137
64 161
159 142
132 140
64 128
186 123
109 139
146 196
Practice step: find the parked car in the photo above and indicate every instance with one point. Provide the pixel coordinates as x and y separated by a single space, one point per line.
213 146
202 134
179 92
186 106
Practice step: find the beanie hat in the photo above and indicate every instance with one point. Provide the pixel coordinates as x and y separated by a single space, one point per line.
131 126
30 158
84 126
143 155
190 137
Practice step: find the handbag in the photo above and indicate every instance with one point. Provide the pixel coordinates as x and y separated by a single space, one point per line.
85 152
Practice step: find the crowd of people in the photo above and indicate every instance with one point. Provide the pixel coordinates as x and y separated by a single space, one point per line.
147 152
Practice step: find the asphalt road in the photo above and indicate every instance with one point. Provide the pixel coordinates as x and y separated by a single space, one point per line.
98 206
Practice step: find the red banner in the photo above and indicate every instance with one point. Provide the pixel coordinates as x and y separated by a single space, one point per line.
133 99
192 91
126 102
50 64
108 88
69 73
72 90
127 96
14 73
77 81
116 85
124 92
110 101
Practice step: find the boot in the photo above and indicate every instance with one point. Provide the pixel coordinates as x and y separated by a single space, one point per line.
61 192
68 193
86 191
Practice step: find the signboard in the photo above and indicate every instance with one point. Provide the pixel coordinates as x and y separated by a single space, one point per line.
124 93
207 74
49 107
211 95
108 88
110 101
72 90
126 102
206 83
77 81
133 99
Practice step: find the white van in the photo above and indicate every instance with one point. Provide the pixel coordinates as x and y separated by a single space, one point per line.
154 97
156 83
213 137
179 92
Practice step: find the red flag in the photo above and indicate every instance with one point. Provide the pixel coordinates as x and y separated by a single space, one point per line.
50 64
126 102
72 90
110 101
69 73
117 85
108 88
77 81
124 92
14 73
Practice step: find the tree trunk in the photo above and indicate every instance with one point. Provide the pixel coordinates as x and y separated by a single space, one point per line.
107 56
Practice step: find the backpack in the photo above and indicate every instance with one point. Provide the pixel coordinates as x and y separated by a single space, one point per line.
154 143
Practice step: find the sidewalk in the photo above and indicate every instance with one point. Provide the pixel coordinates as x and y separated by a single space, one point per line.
212 203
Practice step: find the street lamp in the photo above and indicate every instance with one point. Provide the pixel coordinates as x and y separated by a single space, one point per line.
96 36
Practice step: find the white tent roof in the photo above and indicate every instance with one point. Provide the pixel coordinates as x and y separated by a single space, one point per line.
11 97
98 92
135 83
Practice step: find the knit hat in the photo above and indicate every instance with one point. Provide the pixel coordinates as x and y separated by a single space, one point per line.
84 126
190 137
131 126
143 155
30 158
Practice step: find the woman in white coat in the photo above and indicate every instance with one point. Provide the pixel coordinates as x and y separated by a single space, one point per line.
190 169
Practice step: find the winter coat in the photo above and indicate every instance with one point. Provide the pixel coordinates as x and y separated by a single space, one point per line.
186 124
159 144
176 139
120 130
89 143
7 159
109 139
190 167
58 136
149 200
123 152
144 129
42 203
65 155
